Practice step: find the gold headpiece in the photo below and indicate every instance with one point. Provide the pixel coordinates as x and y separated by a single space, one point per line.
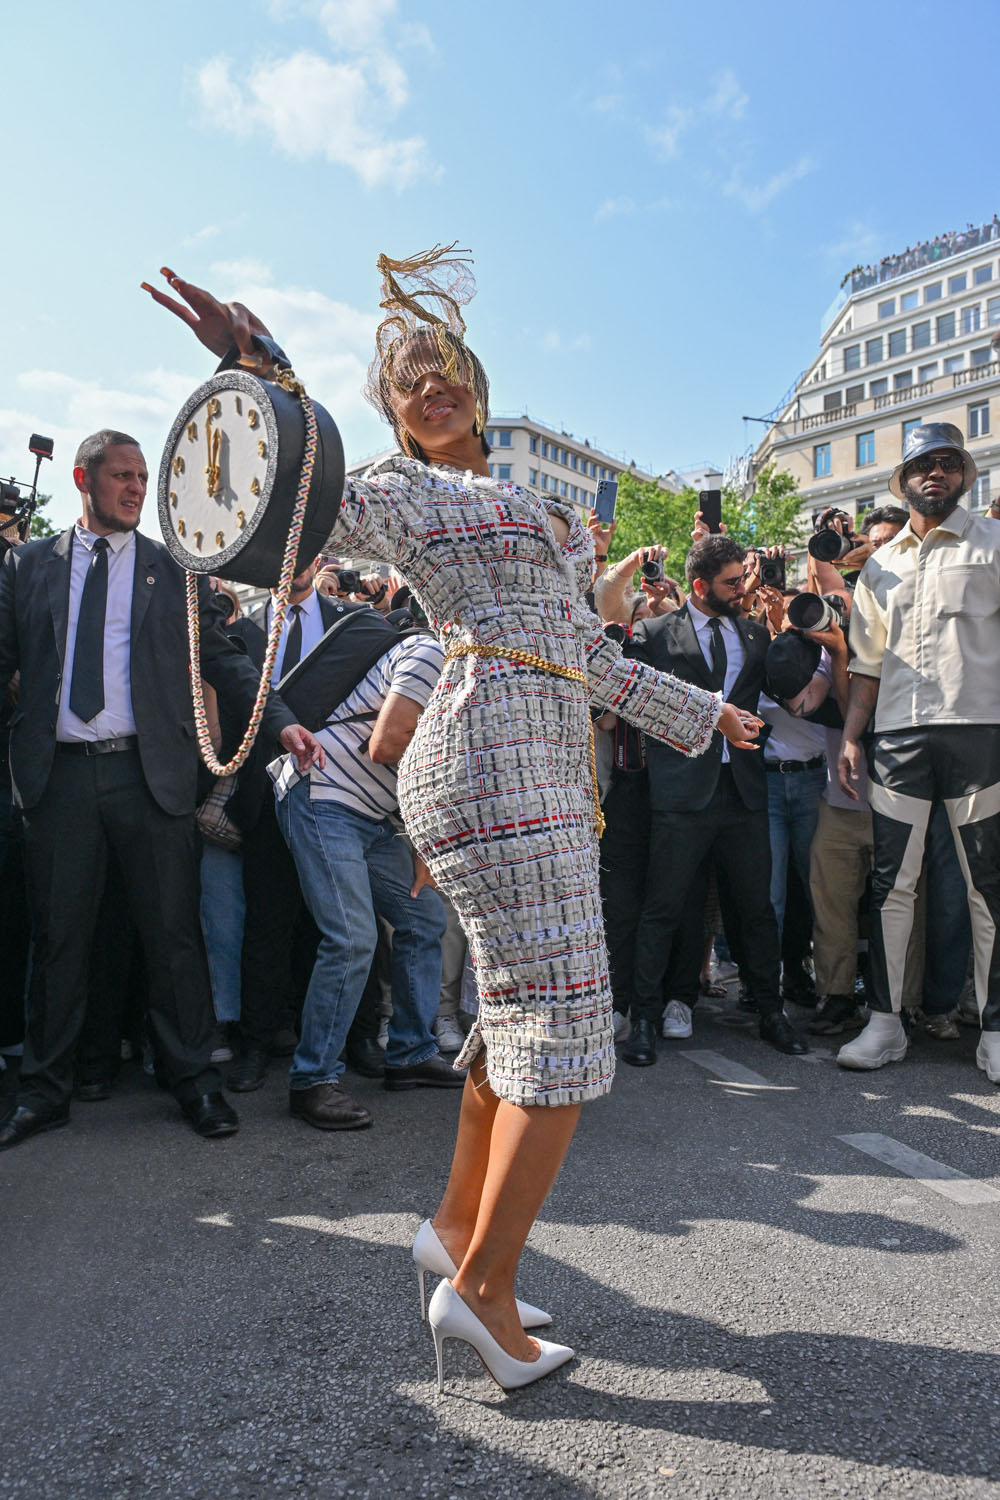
424 330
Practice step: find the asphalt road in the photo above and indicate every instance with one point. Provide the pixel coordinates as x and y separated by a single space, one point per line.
760 1308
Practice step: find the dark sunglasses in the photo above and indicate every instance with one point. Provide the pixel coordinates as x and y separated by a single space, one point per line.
948 463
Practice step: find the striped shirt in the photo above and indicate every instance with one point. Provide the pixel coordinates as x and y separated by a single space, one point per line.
350 777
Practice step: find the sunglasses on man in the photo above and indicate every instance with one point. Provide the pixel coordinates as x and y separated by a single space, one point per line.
948 463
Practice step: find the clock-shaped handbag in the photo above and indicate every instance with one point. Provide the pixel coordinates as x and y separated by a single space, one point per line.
230 477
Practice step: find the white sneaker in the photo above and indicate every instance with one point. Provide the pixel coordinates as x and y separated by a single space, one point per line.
621 1024
450 1036
676 1021
882 1041
988 1055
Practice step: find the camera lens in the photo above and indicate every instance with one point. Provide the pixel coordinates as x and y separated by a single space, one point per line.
828 545
652 571
810 612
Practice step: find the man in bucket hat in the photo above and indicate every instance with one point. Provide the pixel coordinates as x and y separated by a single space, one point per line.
925 631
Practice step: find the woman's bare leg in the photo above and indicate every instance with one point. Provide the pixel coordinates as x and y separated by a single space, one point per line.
455 1220
526 1149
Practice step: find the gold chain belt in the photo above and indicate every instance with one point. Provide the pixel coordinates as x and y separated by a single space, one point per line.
529 659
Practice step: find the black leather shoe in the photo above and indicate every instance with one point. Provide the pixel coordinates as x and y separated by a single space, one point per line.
25 1122
640 1049
210 1115
432 1073
746 1001
248 1071
328 1108
91 1090
366 1057
776 1030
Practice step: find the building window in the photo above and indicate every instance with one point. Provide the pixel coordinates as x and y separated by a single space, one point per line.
993 310
873 351
533 443
921 335
954 363
978 424
865 449
982 274
981 356
852 357
926 372
821 460
908 301
563 456
979 495
854 393
897 342
831 400
932 293
532 476
590 469
879 387
544 482
971 318
562 488
909 427
957 284
503 438
945 326
503 471
887 309
574 462
903 380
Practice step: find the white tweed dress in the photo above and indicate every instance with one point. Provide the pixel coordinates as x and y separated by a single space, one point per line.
495 787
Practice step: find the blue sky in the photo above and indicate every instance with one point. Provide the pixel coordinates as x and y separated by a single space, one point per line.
661 199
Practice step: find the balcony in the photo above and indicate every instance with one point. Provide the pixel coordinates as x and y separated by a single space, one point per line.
824 418
941 387
900 398
977 372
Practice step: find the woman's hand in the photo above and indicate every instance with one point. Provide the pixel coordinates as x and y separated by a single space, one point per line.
601 534
217 325
739 727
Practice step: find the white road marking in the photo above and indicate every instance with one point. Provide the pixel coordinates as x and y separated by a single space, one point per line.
725 1068
933 1174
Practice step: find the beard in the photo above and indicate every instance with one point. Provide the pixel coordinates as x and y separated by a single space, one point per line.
729 608
931 505
109 519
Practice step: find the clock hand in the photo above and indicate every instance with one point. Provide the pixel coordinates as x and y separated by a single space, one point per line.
213 440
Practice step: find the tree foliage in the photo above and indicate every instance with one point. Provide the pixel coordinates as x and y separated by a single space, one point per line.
647 514
40 523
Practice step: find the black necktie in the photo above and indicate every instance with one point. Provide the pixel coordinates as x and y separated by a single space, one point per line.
720 660
293 644
86 694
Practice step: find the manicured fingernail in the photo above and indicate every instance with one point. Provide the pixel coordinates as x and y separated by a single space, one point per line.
145 286
165 271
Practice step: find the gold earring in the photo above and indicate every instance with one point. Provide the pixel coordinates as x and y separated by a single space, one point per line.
480 422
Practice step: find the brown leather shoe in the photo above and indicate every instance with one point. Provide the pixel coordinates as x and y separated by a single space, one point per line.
328 1108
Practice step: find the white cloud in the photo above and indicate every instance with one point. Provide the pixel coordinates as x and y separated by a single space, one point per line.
341 107
306 105
727 98
756 199
209 232
665 138
553 342
612 207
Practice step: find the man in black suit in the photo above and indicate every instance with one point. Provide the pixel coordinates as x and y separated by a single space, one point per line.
711 806
103 752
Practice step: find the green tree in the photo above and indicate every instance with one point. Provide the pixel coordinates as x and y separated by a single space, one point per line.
40 523
646 514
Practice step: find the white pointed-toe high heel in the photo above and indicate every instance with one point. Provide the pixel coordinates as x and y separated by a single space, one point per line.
430 1255
451 1318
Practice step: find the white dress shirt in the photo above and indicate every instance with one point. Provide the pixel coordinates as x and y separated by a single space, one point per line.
734 651
313 628
116 717
926 621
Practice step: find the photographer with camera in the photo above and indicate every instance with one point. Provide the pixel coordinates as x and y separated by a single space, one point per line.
925 630
613 596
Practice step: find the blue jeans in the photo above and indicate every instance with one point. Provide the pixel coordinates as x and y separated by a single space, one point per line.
222 909
792 809
351 867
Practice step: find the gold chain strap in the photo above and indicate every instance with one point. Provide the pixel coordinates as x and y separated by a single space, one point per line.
529 659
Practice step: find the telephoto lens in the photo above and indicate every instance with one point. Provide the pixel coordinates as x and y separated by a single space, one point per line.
829 546
652 571
814 611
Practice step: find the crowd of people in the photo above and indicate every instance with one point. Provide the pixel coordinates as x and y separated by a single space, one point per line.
925 253
798 787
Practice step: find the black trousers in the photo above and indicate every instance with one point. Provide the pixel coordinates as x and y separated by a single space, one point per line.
913 772
92 803
275 916
15 929
681 846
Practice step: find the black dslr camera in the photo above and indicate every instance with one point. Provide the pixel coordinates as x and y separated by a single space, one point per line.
828 544
16 511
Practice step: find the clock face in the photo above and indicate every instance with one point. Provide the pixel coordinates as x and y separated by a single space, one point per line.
217 471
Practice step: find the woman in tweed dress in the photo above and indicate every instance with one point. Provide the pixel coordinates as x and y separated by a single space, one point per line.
496 789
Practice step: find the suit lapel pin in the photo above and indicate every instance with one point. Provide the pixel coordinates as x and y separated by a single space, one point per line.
150 579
